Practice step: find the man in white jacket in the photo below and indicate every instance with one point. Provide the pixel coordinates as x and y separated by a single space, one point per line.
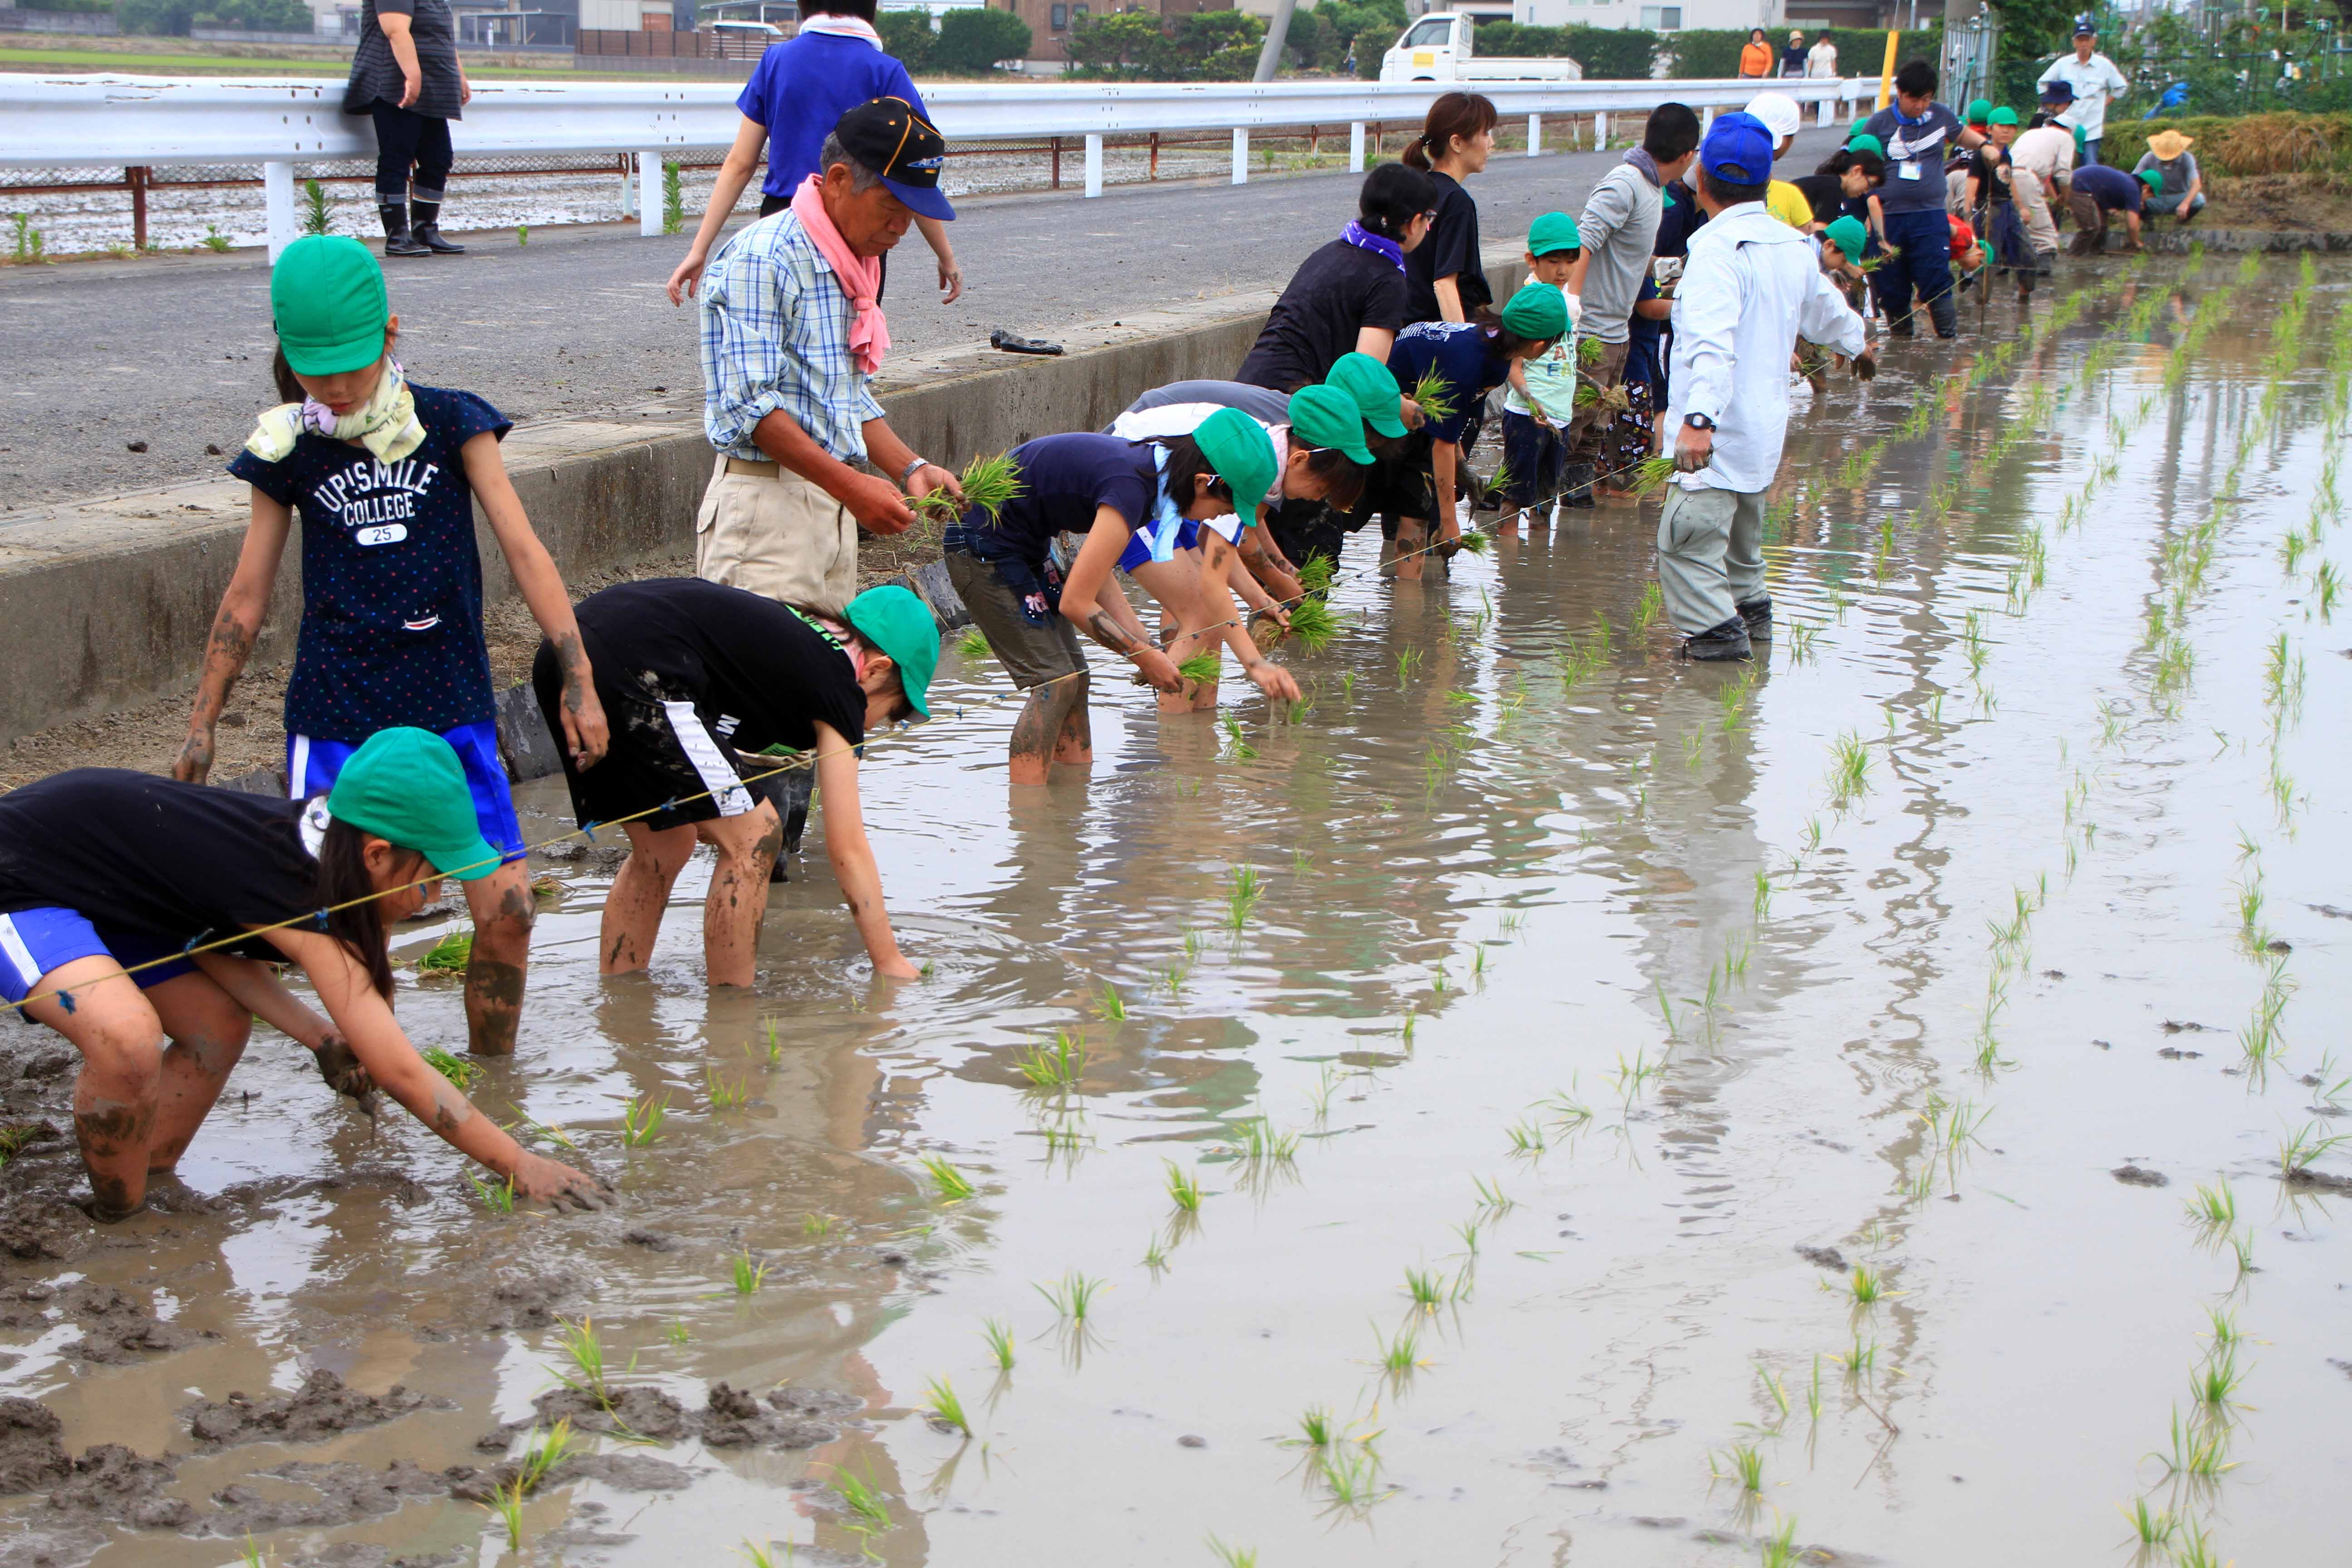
1750 287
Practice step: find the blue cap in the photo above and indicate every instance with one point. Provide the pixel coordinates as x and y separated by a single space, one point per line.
1738 148
2058 90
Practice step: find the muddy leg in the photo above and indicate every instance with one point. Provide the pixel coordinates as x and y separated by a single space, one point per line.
1073 744
633 908
1411 548
101 1012
503 912
747 845
208 1032
1037 734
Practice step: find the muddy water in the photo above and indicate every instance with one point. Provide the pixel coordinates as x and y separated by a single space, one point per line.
1551 923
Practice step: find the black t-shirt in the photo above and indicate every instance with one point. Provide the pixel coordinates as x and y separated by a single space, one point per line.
1822 193
375 71
1450 248
1990 187
392 580
758 673
1063 479
1336 292
181 862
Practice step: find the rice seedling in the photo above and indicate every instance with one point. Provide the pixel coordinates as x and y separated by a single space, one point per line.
999 1335
1182 1189
1867 1286
2306 1145
2242 1250
990 484
499 1198
946 1407
1629 1077
1233 1556
1475 541
2151 1527
775 1045
725 1096
1775 1390
677 1332
1237 746
1814 1395
1316 1428
817 1226
641 1122
1244 888
1490 1196
455 1068
1408 661
1073 1296
2327 586
506 1507
1434 395
2214 1207
2200 1450
863 1500
1055 1067
1653 605
748 1275
1426 1287
1260 1145
953 1185
2223 1331
1400 1355
759 1556
585 1348
542 1454
1313 624
1849 768
1650 474
1352 1475
449 955
1200 670
1155 1254
974 644
2196 1551
1468 1230
1568 1112
1859 1358
1779 1548
2213 1384
1746 1464
1316 572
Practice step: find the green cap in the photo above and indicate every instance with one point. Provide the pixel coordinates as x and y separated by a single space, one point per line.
1551 232
1864 142
326 296
1539 310
1241 451
407 787
1327 416
1374 387
2152 180
1848 235
894 620
1979 111
2004 115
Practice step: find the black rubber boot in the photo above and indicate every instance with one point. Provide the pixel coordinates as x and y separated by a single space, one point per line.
1945 311
397 241
1576 485
429 229
1719 643
1757 615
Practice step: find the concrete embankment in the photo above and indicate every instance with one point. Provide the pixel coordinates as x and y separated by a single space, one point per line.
106 603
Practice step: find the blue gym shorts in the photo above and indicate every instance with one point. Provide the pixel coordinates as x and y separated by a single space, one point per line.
35 941
312 765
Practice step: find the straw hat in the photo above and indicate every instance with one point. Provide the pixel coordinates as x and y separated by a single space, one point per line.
2169 144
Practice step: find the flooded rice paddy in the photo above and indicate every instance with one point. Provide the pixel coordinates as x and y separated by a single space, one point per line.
1785 1088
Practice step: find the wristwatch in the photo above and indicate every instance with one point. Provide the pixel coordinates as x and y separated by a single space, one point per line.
906 474
1698 422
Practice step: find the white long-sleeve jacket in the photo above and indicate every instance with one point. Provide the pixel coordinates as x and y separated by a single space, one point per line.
1751 285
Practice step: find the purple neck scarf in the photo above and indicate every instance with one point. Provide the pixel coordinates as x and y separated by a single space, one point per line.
1362 238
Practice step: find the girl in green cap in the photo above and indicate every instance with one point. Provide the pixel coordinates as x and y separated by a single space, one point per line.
712 684
104 870
1135 505
384 475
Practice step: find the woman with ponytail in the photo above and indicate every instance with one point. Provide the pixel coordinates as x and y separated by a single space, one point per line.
1444 279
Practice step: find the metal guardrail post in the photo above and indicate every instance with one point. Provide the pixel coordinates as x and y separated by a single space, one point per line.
1535 135
1241 154
1154 172
136 178
277 203
628 189
649 195
1056 182
1599 129
1094 163
1355 147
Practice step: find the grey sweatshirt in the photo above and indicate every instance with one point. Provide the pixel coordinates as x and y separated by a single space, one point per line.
1619 227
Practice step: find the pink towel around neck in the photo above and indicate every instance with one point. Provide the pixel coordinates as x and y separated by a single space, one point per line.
860 276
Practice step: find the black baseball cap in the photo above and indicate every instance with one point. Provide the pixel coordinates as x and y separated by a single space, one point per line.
889 137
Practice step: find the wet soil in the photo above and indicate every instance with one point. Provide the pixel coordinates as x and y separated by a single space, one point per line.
1602 1081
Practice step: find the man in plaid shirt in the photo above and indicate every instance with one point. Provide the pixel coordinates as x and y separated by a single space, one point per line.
785 400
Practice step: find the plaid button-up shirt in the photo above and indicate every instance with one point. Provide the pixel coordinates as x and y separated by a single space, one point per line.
775 334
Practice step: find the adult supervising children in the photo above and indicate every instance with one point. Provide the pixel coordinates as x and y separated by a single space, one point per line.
712 684
1135 505
2095 80
1917 134
1750 287
1620 229
1350 296
104 870
793 331
2041 163
799 90
384 475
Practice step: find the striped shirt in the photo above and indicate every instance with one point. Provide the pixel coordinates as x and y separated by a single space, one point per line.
775 335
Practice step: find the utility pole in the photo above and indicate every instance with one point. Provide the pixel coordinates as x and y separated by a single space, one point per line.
1276 32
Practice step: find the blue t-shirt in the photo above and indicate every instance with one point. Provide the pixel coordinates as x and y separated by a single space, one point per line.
2111 188
1919 146
1464 358
801 88
1064 478
392 586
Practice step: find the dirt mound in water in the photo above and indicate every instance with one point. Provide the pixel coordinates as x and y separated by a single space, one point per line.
731 1417
118 1330
111 1483
32 1454
323 1406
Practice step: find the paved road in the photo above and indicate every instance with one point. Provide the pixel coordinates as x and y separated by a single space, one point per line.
174 352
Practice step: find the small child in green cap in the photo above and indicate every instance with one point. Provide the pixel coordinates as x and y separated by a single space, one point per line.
1542 397
384 475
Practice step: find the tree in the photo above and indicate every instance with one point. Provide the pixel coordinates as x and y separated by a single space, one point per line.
974 39
1219 45
1128 47
258 16
155 15
908 34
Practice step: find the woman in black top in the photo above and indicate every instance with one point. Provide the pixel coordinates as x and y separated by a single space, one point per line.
1351 295
1444 278
104 871
405 74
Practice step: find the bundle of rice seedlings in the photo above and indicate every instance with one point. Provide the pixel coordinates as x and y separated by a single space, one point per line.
1650 474
1198 669
1434 395
1588 350
1475 541
1316 572
1313 622
449 955
990 484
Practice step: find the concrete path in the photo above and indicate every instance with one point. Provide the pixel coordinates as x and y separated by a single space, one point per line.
174 352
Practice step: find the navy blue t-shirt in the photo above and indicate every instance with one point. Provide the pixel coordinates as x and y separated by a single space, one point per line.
1064 478
803 86
392 586
1916 150
2111 188
1463 356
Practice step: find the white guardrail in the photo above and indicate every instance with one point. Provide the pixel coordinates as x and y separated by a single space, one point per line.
48 121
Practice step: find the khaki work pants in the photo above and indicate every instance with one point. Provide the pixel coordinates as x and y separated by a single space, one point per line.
765 530
1710 555
2040 228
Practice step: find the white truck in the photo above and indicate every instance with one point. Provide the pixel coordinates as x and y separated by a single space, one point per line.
1437 48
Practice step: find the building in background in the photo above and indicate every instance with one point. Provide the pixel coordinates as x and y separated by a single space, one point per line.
1674 16
1050 20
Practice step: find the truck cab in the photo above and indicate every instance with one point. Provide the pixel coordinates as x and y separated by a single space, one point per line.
1439 47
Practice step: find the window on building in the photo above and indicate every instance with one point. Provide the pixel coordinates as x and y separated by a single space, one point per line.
1661 18
1061 18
